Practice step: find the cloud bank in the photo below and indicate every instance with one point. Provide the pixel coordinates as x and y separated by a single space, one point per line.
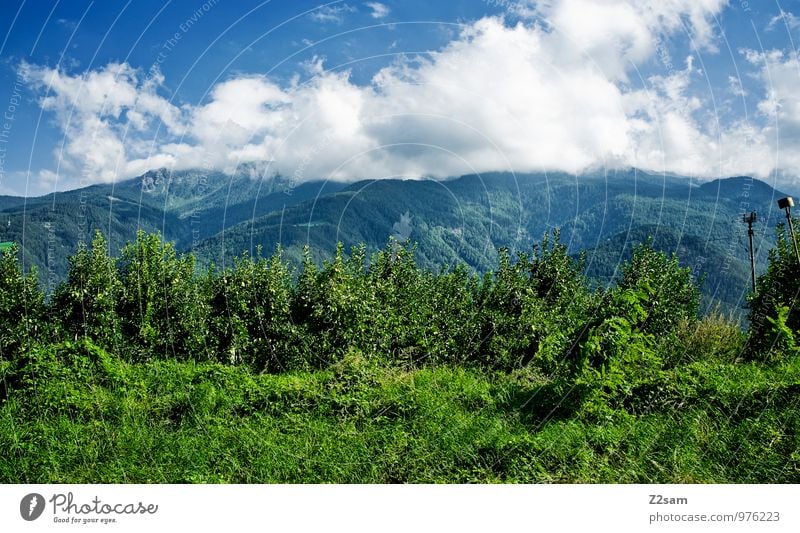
554 91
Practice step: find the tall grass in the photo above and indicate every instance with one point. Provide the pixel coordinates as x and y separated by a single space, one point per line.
78 414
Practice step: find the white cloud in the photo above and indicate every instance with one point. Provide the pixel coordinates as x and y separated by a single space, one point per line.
335 13
379 10
107 117
784 19
525 97
779 74
614 34
735 86
567 116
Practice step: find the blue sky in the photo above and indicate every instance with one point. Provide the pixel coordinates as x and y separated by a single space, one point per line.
102 91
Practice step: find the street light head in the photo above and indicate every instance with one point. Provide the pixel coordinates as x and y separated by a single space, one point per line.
785 203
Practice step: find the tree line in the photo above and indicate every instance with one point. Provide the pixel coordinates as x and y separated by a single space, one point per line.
536 309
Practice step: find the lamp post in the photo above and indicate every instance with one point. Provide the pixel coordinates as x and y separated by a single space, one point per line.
786 204
749 220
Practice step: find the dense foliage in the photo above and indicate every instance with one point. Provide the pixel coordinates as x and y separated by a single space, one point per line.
460 220
143 368
774 315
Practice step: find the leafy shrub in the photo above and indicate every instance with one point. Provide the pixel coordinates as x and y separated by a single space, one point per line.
673 296
162 309
86 303
451 334
555 276
778 289
506 340
617 355
335 304
250 315
533 308
22 307
623 352
785 344
401 292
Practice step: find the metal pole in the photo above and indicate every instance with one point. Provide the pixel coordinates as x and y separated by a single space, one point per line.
750 221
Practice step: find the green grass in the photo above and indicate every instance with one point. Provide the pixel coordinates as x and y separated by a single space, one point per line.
72 413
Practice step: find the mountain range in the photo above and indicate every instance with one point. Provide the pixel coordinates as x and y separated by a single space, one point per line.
218 216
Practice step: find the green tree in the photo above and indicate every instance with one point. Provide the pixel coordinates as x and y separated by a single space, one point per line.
673 296
251 315
22 307
533 308
777 291
400 290
504 297
163 312
616 356
86 303
335 303
451 318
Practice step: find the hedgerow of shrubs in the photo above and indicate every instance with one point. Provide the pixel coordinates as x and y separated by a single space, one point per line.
536 310
144 368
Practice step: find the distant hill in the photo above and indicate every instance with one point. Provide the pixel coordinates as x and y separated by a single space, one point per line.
187 207
468 218
218 216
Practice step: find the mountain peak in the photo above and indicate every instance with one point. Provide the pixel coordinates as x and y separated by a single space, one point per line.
253 169
740 187
152 179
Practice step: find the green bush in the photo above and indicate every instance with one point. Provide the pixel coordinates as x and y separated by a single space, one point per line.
87 302
534 308
250 318
401 292
673 296
784 344
162 309
335 304
777 290
508 341
617 356
451 334
22 307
